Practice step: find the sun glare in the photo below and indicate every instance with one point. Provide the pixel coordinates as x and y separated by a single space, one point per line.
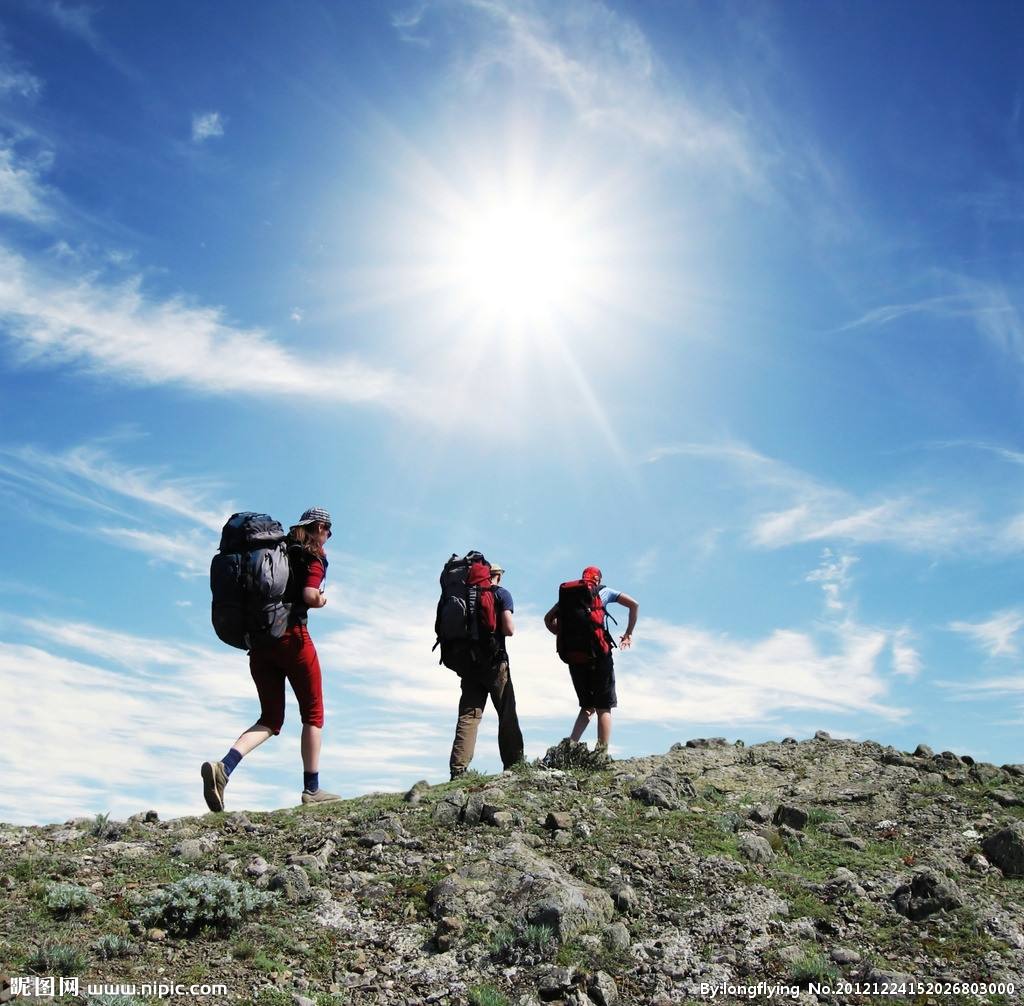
518 259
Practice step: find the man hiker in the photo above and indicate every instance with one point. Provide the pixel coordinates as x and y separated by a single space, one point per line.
292 657
589 656
493 679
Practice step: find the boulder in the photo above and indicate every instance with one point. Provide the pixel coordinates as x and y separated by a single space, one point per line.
1005 849
926 894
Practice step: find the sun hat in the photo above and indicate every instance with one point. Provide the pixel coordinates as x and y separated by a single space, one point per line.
314 515
495 568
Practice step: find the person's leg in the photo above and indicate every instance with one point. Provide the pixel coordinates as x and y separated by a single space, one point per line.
581 724
605 698
306 679
604 727
253 737
510 736
471 708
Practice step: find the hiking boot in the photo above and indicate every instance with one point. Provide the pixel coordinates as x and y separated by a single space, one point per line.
319 796
214 781
457 773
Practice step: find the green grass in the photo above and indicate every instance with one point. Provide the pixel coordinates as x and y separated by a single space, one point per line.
487 995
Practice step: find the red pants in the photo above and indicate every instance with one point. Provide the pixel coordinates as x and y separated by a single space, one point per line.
293 656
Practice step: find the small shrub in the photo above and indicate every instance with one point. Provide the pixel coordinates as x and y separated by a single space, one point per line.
486 995
201 901
63 900
503 938
813 967
820 815
570 754
56 959
103 828
537 937
111 946
111 999
243 950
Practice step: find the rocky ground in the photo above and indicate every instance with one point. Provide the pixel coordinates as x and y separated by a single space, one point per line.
583 883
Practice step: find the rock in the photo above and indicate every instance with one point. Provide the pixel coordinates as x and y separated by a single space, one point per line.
474 809
791 816
501 819
257 866
626 899
841 955
1005 848
446 812
156 935
789 741
926 894
372 838
1017 770
416 791
293 883
517 882
1006 798
298 1000
449 928
986 773
558 821
923 751
602 989
192 849
666 788
822 735
755 848
616 936
840 829
707 742
555 982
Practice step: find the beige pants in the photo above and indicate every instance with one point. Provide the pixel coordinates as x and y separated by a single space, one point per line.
475 689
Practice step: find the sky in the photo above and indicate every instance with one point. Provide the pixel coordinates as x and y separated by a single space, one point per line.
724 298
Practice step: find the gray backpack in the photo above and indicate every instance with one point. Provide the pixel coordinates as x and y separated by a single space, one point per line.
248 579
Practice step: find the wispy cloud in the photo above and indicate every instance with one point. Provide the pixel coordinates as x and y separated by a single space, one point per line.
206 125
122 504
810 510
22 193
834 576
603 66
906 661
119 331
985 305
997 635
14 81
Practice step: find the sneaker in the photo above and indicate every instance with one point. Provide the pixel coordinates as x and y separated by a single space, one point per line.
457 773
214 781
320 796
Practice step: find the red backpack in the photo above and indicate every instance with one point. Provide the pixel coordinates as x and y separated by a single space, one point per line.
466 615
582 633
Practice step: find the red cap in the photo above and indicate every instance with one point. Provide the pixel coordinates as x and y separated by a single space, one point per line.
591 574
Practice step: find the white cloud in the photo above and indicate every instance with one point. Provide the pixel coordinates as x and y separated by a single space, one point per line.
906 661
206 125
834 576
810 510
22 194
997 635
119 331
986 305
19 82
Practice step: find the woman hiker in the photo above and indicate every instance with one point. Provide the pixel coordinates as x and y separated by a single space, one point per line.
293 656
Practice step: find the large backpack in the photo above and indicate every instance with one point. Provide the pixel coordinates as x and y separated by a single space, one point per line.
582 634
248 579
466 617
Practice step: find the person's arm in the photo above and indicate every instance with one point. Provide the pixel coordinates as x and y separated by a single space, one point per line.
626 639
507 628
551 620
313 597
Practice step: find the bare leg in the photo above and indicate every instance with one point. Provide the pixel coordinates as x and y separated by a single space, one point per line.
252 738
311 747
581 724
604 726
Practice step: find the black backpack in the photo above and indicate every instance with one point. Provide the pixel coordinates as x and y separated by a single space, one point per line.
248 579
583 633
466 622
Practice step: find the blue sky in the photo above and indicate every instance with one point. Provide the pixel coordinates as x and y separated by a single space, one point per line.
724 298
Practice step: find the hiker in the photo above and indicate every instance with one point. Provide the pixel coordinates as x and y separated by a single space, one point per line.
291 656
588 653
492 678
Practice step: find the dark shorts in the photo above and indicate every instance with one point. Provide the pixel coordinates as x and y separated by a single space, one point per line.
291 658
595 683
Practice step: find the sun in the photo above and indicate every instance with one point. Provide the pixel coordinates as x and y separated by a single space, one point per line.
517 259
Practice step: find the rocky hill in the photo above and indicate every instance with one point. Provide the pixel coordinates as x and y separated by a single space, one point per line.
714 872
